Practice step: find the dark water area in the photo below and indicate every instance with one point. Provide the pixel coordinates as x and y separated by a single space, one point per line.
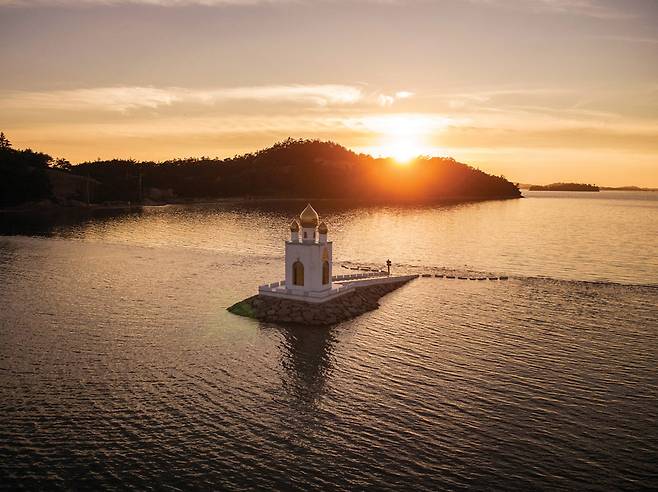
120 366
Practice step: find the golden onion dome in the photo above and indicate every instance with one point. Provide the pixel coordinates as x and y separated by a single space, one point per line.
322 229
294 226
309 217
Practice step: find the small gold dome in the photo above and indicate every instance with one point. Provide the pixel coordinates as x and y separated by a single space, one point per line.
309 217
294 226
322 229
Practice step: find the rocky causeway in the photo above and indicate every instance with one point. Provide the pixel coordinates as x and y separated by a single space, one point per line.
350 305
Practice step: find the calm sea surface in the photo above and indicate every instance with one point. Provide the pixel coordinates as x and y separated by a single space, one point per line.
120 366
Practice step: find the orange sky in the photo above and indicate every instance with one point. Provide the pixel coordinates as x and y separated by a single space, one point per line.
536 90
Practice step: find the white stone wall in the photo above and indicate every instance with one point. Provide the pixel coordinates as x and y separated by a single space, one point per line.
338 289
310 254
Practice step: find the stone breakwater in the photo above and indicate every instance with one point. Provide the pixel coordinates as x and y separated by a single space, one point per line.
350 305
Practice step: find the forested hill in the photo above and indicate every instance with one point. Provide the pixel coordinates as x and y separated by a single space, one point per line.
297 169
565 187
290 169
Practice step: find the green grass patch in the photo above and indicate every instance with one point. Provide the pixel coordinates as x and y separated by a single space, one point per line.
242 308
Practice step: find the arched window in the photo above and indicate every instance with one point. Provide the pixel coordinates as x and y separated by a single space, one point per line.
298 273
325 272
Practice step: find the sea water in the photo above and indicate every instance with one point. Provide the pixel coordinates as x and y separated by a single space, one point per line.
120 366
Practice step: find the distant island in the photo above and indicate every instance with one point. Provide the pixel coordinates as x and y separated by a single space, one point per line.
627 188
525 186
288 169
564 187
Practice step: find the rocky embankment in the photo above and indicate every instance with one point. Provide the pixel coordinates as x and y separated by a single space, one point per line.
350 305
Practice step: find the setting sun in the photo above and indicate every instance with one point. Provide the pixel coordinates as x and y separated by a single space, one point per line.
402 150
403 136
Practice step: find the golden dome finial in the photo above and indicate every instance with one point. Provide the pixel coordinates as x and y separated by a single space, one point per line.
294 226
322 229
309 217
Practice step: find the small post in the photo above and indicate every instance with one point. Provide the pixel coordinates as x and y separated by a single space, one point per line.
388 265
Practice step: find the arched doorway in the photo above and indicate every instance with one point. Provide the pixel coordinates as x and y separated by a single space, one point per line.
325 272
298 273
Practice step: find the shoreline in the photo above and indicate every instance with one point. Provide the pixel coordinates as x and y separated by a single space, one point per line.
52 207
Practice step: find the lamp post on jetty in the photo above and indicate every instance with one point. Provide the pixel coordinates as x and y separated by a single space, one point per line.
388 266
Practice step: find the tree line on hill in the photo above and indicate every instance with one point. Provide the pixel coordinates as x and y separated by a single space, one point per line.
290 169
565 187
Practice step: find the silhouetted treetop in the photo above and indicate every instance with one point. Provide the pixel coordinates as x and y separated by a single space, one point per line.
4 142
22 174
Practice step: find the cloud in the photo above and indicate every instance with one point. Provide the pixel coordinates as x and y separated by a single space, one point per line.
320 95
158 3
400 123
587 8
628 39
105 98
123 99
591 8
386 100
565 136
497 98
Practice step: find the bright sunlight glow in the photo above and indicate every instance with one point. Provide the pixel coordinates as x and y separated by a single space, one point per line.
402 150
403 136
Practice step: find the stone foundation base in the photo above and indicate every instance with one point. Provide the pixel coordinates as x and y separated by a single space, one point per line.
348 306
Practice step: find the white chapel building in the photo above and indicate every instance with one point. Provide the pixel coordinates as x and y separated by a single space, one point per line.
308 255
309 265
